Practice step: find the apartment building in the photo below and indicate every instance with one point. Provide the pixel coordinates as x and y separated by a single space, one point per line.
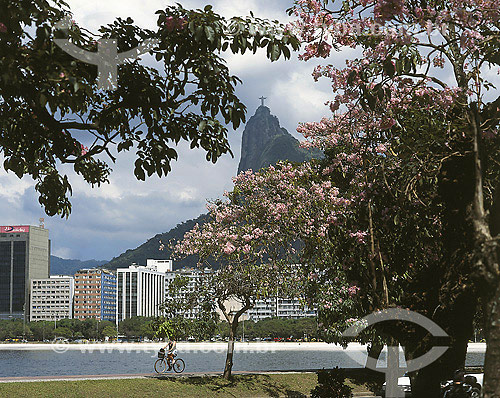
194 277
95 294
51 298
279 307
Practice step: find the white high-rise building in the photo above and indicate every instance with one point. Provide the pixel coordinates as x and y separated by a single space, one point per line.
52 298
194 278
279 307
140 291
160 265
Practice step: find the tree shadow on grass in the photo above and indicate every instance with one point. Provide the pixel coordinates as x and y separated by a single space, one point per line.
247 382
277 390
366 377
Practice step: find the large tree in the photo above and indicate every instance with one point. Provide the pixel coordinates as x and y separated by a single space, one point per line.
442 51
52 111
392 245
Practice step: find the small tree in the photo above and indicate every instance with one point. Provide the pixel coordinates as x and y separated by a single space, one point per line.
254 233
109 331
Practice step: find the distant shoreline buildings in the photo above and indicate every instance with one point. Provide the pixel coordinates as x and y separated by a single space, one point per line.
28 291
141 289
51 298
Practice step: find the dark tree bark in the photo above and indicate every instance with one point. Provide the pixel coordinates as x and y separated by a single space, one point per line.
450 299
487 265
459 326
233 321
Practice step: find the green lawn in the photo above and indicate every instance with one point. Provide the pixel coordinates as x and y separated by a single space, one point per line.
242 386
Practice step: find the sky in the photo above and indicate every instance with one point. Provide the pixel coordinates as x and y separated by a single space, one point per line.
122 215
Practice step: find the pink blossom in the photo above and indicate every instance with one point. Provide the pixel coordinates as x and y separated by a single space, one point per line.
353 290
229 248
385 10
84 150
173 23
3 28
359 235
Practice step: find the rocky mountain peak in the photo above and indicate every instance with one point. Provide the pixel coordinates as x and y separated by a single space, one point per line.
265 142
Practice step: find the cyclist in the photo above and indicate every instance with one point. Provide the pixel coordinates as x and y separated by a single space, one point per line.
171 349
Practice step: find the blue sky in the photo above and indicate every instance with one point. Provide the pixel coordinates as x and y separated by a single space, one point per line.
121 215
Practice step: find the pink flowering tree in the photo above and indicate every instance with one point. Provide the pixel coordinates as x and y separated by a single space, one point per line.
254 233
438 56
383 251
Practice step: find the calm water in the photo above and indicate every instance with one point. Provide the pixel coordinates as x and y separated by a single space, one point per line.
74 362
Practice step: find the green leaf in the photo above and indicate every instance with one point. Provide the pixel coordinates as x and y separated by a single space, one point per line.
210 33
198 33
43 100
202 125
274 52
286 52
389 68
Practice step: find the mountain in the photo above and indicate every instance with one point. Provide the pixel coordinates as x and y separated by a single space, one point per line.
265 142
62 266
150 249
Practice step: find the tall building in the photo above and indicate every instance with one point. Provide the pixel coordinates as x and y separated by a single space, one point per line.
24 255
140 291
95 294
160 265
194 278
51 298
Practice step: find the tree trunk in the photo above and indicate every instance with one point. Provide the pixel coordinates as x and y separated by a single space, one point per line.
233 322
374 350
491 387
460 328
487 262
230 350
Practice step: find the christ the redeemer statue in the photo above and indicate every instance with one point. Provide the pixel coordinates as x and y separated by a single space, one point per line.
262 100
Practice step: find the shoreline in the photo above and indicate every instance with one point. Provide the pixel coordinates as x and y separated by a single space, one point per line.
201 346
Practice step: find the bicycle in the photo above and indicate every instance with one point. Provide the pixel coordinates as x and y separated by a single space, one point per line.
161 364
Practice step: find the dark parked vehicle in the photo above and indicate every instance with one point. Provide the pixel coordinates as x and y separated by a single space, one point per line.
466 387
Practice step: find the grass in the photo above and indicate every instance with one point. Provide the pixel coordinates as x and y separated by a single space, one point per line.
241 386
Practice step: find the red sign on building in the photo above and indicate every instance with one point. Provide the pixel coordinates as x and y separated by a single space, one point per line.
14 229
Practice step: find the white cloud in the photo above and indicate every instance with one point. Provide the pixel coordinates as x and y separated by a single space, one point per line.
11 187
108 220
63 252
301 97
